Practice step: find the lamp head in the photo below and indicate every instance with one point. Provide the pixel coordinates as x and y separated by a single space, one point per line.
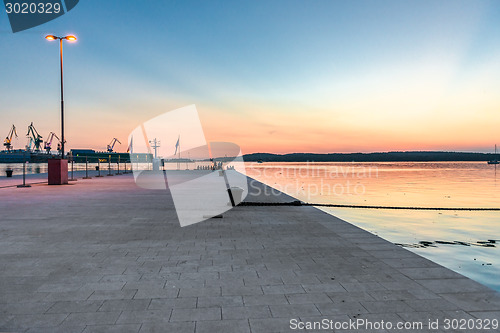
50 37
70 38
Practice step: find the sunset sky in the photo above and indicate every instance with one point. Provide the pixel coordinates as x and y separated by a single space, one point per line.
271 76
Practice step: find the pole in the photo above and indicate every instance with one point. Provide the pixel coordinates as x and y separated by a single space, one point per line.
87 168
118 173
73 179
62 98
99 167
179 154
228 187
24 176
109 166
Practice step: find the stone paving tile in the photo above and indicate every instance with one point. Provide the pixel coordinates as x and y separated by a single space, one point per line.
430 273
264 300
350 296
246 268
294 310
228 283
290 279
173 303
142 270
5 318
457 314
423 293
308 298
200 291
283 289
392 295
112 328
183 284
120 278
219 301
393 253
23 297
223 326
25 308
422 317
196 314
59 287
486 314
362 286
144 316
425 318
124 305
215 268
103 286
112 294
317 321
199 276
474 301
386 306
263 281
323 287
245 312
75 306
452 285
157 293
239 274
410 263
175 327
91 318
377 317
144 284
56 329
269 325
242 291
431 304
24 322
347 308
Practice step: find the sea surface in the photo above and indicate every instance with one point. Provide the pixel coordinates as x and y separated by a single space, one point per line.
40 168
467 242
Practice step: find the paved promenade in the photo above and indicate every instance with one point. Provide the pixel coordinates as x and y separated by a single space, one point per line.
103 255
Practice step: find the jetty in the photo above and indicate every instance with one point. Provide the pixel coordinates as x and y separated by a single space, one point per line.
103 255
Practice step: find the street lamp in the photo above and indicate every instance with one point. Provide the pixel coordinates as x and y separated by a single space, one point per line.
69 38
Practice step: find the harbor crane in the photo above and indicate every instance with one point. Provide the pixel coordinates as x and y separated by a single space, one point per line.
48 144
111 145
35 138
8 140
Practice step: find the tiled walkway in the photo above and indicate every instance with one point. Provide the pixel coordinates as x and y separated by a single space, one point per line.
102 255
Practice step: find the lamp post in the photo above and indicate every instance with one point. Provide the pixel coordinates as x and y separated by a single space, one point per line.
70 38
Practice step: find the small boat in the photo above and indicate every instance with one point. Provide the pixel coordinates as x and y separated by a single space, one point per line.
259 161
495 161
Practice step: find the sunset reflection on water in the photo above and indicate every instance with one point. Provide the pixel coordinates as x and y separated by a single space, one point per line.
415 184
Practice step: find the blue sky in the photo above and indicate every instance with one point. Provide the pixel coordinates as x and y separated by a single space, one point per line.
275 76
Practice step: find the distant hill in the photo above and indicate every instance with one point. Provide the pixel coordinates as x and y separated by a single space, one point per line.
396 156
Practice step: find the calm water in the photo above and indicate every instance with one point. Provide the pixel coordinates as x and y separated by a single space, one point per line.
443 184
31 168
37 168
